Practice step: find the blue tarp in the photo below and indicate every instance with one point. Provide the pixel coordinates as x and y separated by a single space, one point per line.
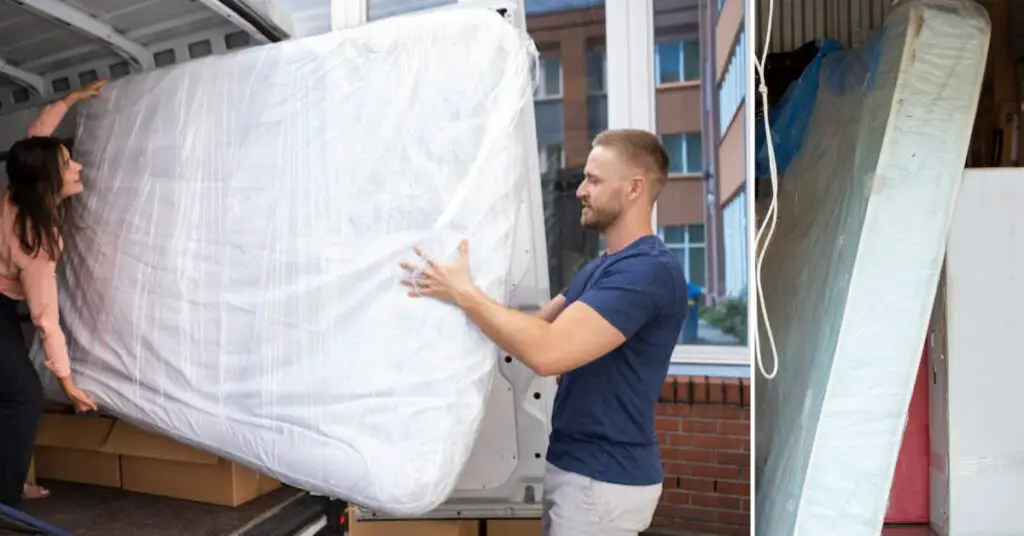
844 71
790 117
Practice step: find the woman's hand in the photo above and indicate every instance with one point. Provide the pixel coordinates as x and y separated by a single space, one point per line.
85 92
79 398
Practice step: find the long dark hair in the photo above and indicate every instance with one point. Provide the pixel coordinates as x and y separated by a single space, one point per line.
35 174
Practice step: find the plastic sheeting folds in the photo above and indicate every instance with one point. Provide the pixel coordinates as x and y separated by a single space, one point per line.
851 275
233 281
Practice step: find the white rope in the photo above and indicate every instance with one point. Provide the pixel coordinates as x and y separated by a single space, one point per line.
767 229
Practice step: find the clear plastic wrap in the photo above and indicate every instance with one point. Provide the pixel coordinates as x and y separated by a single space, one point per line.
233 279
850 277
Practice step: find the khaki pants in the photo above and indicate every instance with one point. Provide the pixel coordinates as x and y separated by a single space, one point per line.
575 505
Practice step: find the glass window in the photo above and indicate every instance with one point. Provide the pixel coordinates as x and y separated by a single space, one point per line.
685 153
677 60
732 90
572 47
380 9
694 153
719 317
687 242
551 157
670 61
695 270
674 147
596 72
550 84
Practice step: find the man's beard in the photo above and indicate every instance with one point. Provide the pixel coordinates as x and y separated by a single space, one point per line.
597 220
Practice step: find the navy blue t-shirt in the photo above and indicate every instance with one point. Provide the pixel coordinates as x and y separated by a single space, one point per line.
603 422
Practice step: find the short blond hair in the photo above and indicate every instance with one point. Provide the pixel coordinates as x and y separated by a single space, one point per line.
641 149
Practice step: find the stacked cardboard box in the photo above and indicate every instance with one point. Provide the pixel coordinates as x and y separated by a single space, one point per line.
460 527
108 452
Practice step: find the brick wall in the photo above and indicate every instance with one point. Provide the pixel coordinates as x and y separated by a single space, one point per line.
704 429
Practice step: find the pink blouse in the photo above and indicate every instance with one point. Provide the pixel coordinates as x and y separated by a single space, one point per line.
34 278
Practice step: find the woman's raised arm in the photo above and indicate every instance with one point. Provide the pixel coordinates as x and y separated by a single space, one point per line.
52 114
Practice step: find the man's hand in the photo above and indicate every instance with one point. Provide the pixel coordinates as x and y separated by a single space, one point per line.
449 282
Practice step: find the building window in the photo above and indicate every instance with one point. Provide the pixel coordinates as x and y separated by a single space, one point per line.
732 91
382 9
685 152
552 157
734 226
550 84
677 61
597 97
687 242
597 72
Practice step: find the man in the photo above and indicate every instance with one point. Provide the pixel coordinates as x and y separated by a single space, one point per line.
610 335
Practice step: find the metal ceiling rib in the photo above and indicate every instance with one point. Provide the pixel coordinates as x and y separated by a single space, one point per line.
32 81
91 27
38 38
796 22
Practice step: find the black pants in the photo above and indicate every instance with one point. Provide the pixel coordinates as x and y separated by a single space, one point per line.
21 405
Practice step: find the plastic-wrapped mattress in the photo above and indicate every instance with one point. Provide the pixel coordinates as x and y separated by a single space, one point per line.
233 280
850 278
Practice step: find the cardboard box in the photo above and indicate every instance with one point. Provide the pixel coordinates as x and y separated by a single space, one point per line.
160 466
109 452
71 449
460 527
513 527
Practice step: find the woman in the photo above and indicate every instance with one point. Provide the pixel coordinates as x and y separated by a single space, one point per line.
41 177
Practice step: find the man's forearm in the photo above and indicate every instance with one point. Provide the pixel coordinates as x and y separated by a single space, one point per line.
524 336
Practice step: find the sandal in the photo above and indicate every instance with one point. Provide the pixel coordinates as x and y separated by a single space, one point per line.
33 492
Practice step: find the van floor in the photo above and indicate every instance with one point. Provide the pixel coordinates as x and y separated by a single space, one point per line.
97 511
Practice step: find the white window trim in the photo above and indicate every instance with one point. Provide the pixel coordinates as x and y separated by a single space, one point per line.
682 62
711 354
347 14
544 97
631 90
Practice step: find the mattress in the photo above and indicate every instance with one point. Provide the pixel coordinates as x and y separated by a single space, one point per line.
975 434
851 275
233 282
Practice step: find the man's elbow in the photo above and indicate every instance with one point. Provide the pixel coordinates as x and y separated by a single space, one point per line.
546 364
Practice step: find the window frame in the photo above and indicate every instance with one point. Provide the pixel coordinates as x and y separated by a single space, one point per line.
604 74
688 245
734 82
684 137
538 95
682 62
631 88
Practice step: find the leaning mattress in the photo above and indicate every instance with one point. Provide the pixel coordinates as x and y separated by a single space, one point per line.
232 279
850 278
